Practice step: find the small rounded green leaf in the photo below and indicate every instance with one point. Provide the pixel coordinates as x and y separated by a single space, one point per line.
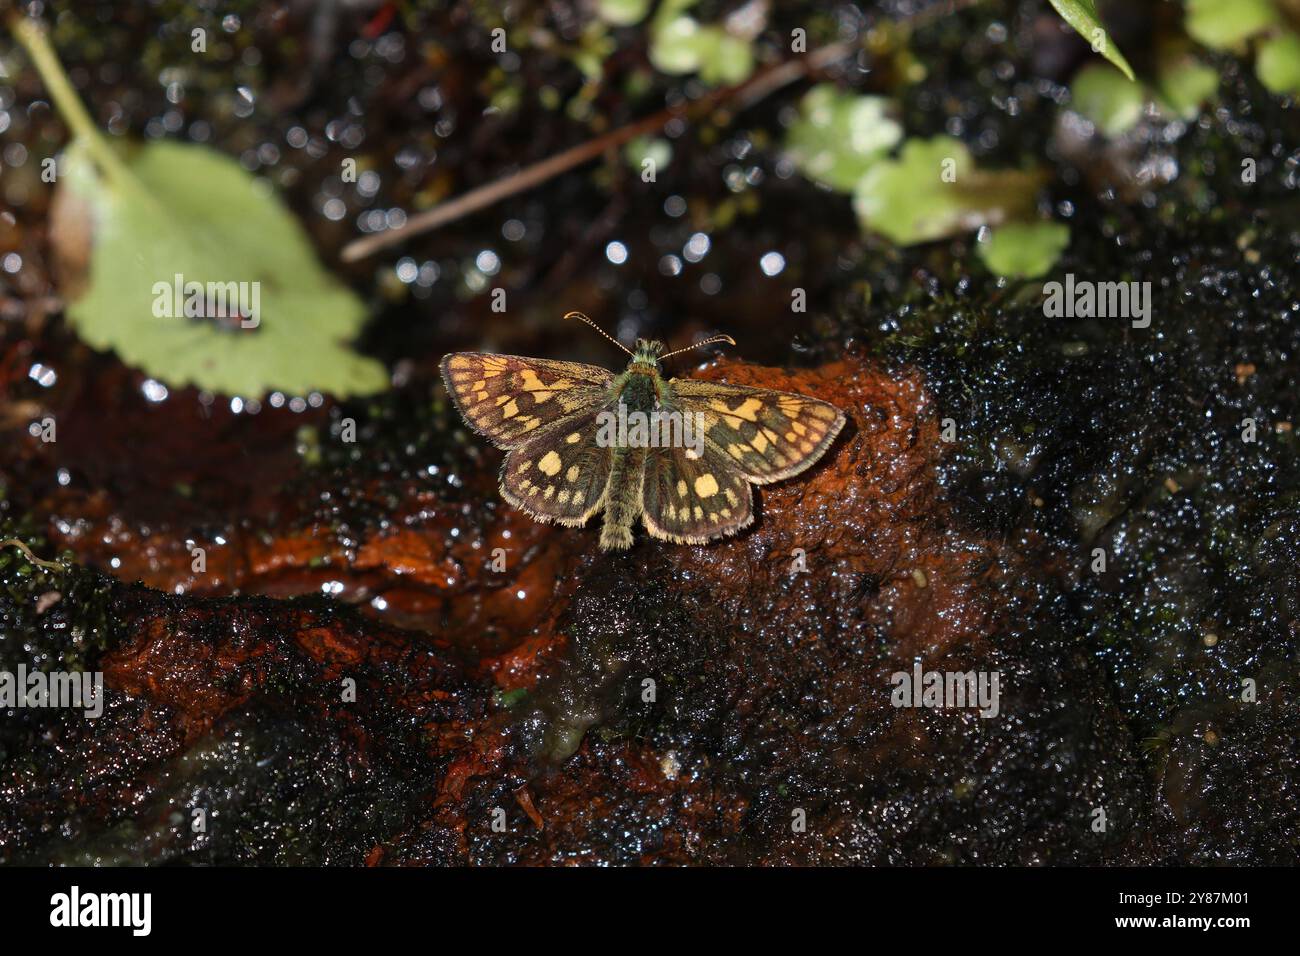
622 13
1110 103
675 47
1024 250
1225 24
1185 84
1278 64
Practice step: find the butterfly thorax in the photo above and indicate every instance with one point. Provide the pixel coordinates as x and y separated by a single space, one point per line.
640 387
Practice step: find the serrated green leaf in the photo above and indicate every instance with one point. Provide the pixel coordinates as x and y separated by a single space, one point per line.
179 215
199 215
1024 250
839 136
933 191
1082 15
723 58
680 44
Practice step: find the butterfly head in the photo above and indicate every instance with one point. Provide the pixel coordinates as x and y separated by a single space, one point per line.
647 353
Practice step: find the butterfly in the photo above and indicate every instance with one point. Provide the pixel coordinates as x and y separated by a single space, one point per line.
677 454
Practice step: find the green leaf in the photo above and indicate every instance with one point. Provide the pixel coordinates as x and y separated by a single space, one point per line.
839 136
679 45
724 59
675 46
199 215
1082 15
1024 250
1185 84
933 191
177 210
1278 64
1111 104
1224 24
622 13
654 148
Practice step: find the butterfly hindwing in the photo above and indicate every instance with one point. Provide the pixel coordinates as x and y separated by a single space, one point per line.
507 398
560 474
690 500
764 435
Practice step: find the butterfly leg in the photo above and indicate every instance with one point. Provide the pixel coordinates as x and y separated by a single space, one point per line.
623 498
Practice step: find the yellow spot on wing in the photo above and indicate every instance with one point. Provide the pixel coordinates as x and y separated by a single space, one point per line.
550 463
511 410
706 486
573 438
572 473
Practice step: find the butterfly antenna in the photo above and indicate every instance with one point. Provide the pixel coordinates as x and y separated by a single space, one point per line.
579 315
699 345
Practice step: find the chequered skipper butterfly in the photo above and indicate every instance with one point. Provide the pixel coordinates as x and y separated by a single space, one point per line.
555 419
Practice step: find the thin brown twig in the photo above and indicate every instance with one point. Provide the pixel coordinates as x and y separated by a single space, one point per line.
757 87
751 91
21 546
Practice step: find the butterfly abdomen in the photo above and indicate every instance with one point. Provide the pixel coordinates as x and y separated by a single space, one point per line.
623 498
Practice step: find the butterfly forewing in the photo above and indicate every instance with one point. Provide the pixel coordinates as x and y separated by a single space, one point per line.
560 474
764 435
508 399
692 500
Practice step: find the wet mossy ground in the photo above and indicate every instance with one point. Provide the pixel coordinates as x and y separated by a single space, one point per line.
681 704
